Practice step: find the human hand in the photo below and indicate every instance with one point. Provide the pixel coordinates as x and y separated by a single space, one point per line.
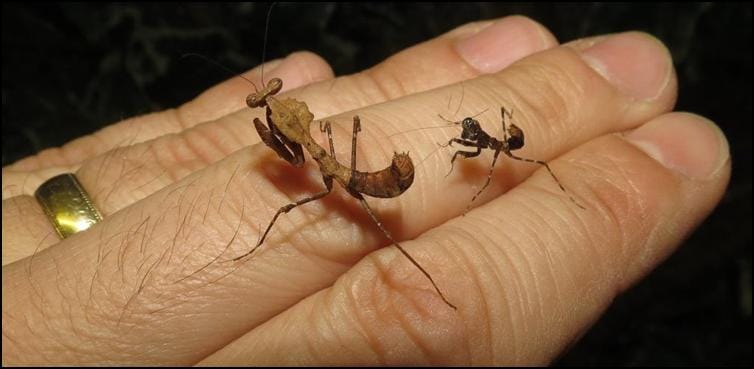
528 270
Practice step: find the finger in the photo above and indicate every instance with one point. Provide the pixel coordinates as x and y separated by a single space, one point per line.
508 40
463 53
25 229
131 172
297 69
530 273
163 253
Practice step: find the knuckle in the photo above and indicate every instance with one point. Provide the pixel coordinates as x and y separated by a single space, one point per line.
192 149
382 84
393 312
625 197
503 269
546 94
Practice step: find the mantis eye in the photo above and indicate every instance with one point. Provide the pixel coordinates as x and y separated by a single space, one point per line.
251 101
274 86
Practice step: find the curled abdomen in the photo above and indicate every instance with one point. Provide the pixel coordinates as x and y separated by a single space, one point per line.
389 182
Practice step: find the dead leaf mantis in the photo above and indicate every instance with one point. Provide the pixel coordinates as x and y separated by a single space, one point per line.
287 133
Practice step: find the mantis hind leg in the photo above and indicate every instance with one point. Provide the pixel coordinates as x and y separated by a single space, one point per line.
405 253
285 209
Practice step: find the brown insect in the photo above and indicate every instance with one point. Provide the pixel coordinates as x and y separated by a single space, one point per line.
513 139
287 132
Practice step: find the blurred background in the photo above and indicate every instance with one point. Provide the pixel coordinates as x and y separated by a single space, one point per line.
70 69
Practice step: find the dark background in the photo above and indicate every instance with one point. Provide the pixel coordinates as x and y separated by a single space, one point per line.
70 69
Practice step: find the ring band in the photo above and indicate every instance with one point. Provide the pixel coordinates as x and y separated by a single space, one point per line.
67 204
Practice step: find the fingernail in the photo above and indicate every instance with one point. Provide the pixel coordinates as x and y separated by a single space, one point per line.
683 142
502 43
636 63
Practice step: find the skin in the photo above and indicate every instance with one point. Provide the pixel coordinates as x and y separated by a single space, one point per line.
183 191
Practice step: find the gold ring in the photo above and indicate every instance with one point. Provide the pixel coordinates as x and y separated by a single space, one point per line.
67 204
